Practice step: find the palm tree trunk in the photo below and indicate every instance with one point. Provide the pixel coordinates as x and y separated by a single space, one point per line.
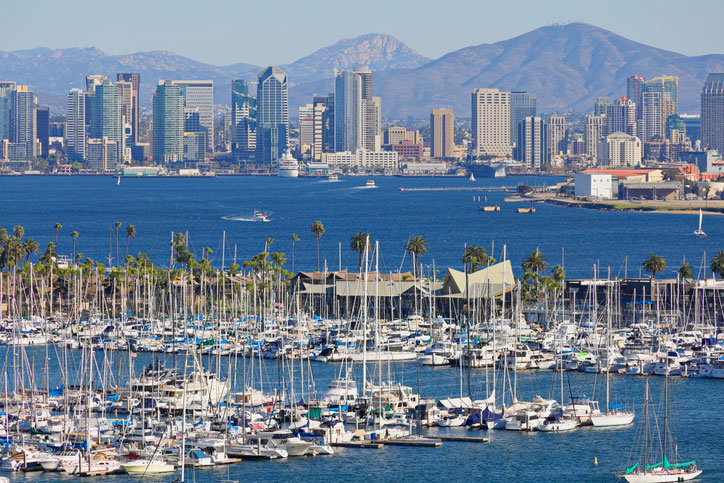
293 259
317 254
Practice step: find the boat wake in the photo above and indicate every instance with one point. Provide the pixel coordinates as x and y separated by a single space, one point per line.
257 216
237 218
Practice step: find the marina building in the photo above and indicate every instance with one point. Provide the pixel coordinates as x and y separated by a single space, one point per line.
491 123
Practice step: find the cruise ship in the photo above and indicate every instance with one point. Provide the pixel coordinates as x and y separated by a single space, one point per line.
288 166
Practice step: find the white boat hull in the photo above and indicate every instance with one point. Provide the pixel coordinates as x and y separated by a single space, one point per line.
662 476
618 419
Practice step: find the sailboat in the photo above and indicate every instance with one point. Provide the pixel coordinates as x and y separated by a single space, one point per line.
664 471
699 231
472 177
118 183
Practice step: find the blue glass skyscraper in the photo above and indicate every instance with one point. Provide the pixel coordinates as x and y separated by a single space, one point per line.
272 104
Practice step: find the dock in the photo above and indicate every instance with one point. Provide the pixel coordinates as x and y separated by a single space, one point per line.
420 442
462 439
462 188
367 444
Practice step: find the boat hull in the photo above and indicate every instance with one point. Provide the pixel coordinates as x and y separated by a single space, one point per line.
661 476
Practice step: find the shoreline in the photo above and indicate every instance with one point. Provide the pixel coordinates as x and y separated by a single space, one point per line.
632 207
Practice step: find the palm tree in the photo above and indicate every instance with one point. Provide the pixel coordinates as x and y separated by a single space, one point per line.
295 239
74 235
535 262
686 270
475 256
717 264
358 243
130 233
57 227
416 247
654 264
558 273
30 247
317 232
118 226
19 231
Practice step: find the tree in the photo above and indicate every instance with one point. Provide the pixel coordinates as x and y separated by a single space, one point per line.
654 264
130 233
30 247
475 256
358 243
672 174
535 262
524 189
19 231
118 226
74 235
416 247
317 232
686 270
295 239
717 264
558 273
57 227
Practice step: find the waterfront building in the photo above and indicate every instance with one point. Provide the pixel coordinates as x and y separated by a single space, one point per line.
42 118
712 112
491 122
306 127
243 120
522 105
557 141
442 133
532 149
362 160
75 133
168 123
593 132
594 185
634 88
194 146
319 129
23 125
405 149
619 149
398 134
272 115
135 80
621 117
348 111
199 94
192 120
106 120
102 154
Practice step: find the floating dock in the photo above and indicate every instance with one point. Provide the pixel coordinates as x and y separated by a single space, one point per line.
463 439
489 208
368 444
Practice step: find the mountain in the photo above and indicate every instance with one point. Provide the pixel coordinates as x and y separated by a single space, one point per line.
565 66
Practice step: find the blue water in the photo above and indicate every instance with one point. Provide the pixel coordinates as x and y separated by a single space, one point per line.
578 238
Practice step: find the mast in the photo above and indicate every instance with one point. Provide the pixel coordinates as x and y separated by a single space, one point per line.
646 424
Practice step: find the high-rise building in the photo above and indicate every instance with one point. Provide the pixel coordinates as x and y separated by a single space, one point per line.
135 80
75 135
522 105
106 119
23 125
621 117
168 123
593 132
42 118
634 88
532 136
601 106
653 120
491 122
319 111
6 87
125 95
348 111
557 141
619 149
371 110
712 112
329 140
243 120
442 133
102 154
272 101
200 94
93 80
675 129
306 127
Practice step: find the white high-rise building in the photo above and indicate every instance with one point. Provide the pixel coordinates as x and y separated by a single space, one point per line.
532 149
621 117
200 94
75 136
593 132
306 126
557 129
491 122
653 121
619 149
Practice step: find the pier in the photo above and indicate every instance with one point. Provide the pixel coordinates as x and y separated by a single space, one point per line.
461 188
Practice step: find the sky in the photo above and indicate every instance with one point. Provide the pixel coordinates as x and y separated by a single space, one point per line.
280 31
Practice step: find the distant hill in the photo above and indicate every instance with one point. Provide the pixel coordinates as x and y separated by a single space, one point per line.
566 67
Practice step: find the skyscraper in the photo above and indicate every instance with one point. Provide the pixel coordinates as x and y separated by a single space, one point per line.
243 120
93 80
557 141
371 110
659 99
6 88
532 136
306 126
621 117
491 122
272 100
42 118
712 112
522 105
442 133
601 106
319 111
23 127
168 123
125 95
634 87
75 140
200 94
593 132
106 120
348 111
135 80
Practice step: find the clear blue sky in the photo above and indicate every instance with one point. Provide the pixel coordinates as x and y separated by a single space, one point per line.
280 31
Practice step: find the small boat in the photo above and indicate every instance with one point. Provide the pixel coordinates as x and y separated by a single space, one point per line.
557 423
261 217
699 231
370 184
118 181
333 177
472 177
148 467
197 458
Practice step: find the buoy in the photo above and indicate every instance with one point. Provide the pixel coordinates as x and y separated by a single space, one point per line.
595 461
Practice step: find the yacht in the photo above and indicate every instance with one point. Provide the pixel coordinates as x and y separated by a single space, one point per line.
288 166
370 184
148 467
261 216
333 177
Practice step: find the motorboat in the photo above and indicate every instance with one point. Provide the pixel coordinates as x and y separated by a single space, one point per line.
370 184
261 216
148 467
